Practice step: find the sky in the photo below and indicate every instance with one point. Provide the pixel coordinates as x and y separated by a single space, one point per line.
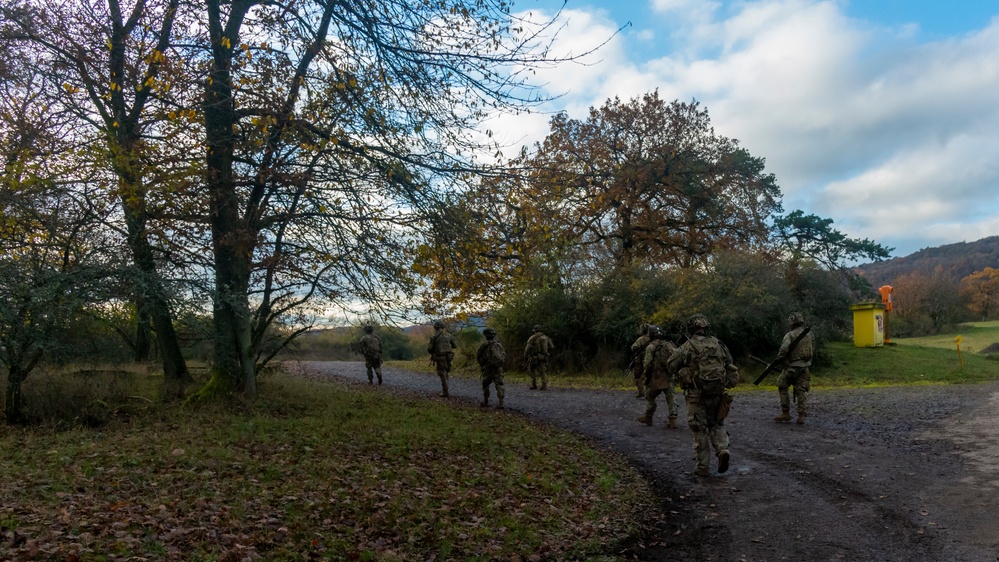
882 115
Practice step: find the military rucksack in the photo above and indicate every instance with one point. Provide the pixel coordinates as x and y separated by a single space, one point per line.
495 356
661 351
708 366
538 344
441 343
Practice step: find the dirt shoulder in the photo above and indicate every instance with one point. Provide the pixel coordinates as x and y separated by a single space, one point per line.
902 473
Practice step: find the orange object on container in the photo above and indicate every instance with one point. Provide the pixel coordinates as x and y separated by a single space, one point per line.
886 291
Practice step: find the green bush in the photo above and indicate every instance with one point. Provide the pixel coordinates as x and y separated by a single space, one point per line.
747 298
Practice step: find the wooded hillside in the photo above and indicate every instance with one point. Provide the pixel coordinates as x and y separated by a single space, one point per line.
956 260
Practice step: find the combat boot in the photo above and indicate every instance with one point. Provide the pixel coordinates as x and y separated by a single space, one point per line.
701 471
500 405
722 461
671 423
801 419
544 386
783 417
379 378
484 403
534 385
647 420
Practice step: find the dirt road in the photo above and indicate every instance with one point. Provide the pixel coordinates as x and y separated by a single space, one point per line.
875 474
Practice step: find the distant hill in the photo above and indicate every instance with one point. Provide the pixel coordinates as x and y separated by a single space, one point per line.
957 260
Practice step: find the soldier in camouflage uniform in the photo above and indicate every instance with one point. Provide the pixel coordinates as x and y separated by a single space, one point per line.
491 357
704 369
658 378
371 349
638 359
537 352
441 349
795 372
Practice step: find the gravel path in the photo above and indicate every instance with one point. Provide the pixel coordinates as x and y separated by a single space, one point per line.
908 474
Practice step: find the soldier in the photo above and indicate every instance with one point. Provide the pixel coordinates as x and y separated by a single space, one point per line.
371 349
441 349
537 352
658 378
491 358
795 373
638 359
704 368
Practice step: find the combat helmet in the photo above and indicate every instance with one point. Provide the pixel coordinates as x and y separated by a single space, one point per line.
537 328
439 324
655 332
368 328
489 333
697 322
796 319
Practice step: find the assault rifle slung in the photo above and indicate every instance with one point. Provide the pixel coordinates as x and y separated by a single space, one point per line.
780 360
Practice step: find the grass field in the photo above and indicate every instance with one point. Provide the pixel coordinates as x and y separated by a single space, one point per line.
975 336
331 472
926 360
311 471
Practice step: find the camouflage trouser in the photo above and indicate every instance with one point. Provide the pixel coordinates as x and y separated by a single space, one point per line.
650 397
801 380
494 376
702 417
443 361
373 363
537 367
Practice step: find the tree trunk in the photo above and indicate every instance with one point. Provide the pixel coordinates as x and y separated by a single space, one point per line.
152 295
13 402
233 239
143 336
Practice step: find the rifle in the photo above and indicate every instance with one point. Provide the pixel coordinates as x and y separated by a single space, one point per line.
777 362
629 368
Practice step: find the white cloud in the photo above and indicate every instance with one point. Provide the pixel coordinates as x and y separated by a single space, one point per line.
892 140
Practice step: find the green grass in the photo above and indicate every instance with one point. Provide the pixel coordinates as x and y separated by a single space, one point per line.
313 470
925 360
975 336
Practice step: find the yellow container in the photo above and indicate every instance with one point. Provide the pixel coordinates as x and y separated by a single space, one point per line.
868 324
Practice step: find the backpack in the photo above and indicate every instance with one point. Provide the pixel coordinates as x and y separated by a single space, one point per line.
441 344
708 366
538 345
661 352
495 356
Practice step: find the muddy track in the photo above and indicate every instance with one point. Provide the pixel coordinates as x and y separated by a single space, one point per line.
906 474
